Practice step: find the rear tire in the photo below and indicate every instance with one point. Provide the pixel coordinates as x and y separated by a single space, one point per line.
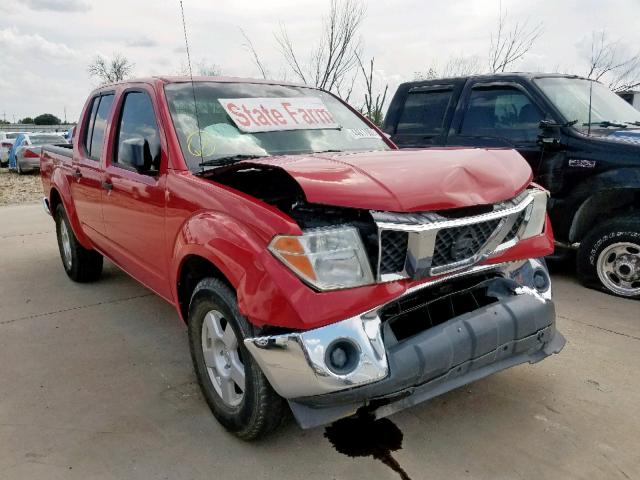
609 257
236 390
82 265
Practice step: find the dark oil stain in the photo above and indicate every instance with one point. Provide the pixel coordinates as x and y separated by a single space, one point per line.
364 436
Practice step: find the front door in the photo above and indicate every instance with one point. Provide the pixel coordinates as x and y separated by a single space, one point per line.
134 194
502 115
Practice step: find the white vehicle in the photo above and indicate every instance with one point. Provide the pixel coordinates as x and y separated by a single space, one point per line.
28 152
6 142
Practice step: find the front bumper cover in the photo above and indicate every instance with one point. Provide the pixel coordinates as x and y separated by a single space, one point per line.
392 375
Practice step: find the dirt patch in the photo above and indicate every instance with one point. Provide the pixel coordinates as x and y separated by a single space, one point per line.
16 188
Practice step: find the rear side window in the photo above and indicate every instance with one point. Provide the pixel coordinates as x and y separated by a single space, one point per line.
423 112
94 140
12 136
138 127
88 131
501 113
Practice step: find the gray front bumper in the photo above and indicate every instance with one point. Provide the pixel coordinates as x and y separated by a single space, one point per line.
392 374
517 330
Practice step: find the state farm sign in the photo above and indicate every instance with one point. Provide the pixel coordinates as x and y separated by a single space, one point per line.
274 114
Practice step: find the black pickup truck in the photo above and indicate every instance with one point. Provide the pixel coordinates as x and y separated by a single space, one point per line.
581 140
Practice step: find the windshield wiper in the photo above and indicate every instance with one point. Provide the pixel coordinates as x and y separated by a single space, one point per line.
327 151
605 124
636 123
552 124
228 160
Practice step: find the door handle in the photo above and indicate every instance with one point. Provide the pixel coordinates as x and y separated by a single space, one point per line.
77 173
107 185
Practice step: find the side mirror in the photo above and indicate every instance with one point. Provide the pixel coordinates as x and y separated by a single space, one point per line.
550 133
136 153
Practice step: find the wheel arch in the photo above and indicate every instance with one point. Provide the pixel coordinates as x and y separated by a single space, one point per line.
603 205
61 194
212 243
193 268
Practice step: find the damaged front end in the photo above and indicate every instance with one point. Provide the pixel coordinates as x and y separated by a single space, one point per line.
432 339
460 310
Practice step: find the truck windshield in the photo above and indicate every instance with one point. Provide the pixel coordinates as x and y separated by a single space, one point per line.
571 97
244 120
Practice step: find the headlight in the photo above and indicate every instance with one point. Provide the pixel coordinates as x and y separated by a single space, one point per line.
326 258
536 214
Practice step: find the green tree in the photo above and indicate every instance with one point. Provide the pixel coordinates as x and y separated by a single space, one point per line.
46 119
27 120
3 122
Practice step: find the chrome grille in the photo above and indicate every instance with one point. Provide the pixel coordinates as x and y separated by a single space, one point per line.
513 233
459 243
394 250
425 244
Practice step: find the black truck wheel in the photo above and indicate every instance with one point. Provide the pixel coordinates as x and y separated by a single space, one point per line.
233 385
609 257
81 264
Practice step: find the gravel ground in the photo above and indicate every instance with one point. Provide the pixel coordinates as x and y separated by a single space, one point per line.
16 188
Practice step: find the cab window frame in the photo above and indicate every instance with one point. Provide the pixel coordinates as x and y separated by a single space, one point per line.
115 143
90 122
493 86
421 134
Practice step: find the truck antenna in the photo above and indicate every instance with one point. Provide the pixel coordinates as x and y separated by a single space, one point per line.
193 87
590 96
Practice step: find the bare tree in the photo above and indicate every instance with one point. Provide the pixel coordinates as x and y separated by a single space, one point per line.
609 60
508 45
373 102
254 55
112 70
336 53
456 66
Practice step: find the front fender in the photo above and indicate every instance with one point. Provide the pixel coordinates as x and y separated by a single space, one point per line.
268 293
60 184
605 192
236 251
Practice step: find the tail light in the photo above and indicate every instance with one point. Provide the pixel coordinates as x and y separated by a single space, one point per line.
30 154
6 145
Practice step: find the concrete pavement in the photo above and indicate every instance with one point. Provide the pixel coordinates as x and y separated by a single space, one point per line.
96 382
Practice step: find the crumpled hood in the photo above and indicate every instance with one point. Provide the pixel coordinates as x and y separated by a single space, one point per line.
407 180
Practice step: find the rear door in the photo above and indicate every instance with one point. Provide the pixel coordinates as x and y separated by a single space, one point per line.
86 175
133 195
499 114
423 117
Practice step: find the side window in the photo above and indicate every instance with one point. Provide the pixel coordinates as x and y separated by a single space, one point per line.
100 125
97 124
502 113
88 131
138 140
423 113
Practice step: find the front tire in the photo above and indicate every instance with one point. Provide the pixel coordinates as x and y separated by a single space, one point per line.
232 383
80 264
609 257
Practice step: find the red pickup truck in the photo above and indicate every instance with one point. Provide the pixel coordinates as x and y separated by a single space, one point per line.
314 263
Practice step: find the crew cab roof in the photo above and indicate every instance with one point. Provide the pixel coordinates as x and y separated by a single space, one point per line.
166 79
490 77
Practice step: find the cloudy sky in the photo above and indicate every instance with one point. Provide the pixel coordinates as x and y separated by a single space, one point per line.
46 45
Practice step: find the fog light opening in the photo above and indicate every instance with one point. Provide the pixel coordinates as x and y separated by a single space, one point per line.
541 280
342 356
